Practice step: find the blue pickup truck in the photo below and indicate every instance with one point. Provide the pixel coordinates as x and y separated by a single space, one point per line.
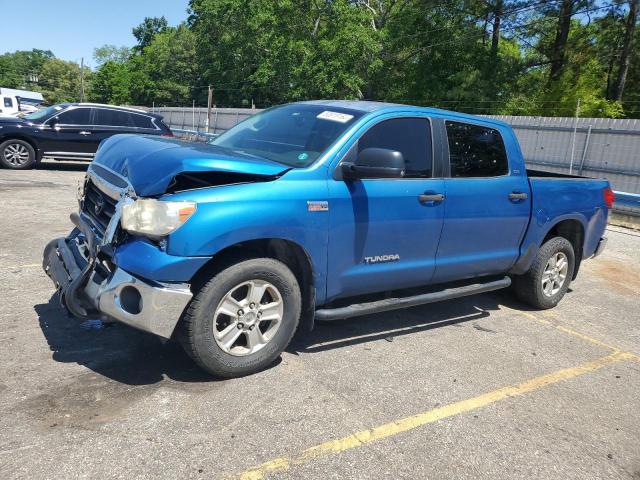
318 210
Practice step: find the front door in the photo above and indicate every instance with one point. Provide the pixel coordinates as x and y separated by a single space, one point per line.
487 206
71 136
384 232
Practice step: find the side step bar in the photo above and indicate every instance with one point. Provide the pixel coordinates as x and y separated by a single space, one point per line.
358 309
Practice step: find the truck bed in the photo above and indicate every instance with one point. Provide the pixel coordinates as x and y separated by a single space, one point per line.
544 174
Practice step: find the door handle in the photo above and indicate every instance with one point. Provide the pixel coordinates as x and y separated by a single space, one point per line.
84 132
431 197
517 196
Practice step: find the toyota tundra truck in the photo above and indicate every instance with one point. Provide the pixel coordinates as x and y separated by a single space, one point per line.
316 211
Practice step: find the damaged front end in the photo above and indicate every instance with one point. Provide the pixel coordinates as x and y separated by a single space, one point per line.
82 266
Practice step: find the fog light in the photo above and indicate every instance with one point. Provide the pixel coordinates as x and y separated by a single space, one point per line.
130 300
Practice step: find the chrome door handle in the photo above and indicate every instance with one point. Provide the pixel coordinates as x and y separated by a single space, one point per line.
84 132
517 196
431 197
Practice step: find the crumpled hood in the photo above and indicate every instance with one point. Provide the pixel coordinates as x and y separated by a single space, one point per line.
152 162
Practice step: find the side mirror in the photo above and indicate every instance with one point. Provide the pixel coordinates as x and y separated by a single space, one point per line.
375 163
53 121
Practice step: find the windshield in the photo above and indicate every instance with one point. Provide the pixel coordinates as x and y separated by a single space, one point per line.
295 135
44 113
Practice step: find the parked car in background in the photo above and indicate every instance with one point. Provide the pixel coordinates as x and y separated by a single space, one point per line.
69 131
9 105
315 210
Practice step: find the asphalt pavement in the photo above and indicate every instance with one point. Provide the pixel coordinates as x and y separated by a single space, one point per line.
480 387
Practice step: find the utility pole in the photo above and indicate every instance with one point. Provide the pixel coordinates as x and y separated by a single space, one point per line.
81 79
209 102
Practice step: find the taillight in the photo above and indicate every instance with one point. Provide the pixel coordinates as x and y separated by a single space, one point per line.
609 197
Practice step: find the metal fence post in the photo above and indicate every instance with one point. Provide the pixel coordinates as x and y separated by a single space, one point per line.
575 132
584 151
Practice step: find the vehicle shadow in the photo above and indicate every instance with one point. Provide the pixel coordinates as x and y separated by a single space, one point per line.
115 351
135 358
397 323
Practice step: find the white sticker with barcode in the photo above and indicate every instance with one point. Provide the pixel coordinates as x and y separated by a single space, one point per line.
335 116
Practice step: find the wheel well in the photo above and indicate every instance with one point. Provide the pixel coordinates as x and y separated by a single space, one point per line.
289 253
573 231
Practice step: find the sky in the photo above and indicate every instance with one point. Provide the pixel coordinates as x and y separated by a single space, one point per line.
71 29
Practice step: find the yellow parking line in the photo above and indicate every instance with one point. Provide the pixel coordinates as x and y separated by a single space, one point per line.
570 331
409 423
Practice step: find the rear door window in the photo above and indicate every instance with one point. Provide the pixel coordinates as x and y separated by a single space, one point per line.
409 136
113 118
75 116
475 151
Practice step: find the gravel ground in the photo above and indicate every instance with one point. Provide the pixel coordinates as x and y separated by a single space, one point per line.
480 387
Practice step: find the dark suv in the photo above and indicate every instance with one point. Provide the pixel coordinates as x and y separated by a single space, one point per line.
69 131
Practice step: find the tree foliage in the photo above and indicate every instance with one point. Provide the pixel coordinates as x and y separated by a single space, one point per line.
478 56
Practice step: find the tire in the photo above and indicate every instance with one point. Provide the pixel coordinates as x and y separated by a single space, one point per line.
213 318
17 155
529 287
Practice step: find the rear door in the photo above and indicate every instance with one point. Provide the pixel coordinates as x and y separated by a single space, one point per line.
487 205
383 236
110 121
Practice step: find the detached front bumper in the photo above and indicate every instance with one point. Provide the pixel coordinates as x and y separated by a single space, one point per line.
88 288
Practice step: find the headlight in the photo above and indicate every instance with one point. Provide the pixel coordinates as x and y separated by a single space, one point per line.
155 218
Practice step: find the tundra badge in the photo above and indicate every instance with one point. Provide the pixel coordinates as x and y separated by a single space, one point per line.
393 257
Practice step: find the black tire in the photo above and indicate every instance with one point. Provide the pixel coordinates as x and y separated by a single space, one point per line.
10 159
197 336
528 287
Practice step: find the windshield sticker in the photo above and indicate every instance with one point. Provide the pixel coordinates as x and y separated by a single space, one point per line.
303 156
335 116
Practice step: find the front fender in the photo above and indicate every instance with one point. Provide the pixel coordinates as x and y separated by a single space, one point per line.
235 214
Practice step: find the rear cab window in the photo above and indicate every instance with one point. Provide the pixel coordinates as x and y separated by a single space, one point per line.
410 136
475 151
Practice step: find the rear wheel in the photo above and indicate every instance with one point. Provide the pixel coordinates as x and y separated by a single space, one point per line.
17 155
243 318
548 279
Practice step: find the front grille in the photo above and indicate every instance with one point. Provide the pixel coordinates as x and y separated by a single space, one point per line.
98 206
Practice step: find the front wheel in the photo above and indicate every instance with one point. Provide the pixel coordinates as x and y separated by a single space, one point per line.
17 155
243 318
548 279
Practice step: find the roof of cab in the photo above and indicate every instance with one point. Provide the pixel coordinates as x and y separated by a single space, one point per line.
369 106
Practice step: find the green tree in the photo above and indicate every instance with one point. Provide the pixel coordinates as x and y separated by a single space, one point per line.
111 83
111 53
59 81
149 27
22 69
165 72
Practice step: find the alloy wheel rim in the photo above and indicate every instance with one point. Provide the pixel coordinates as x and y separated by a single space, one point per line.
16 154
555 274
248 317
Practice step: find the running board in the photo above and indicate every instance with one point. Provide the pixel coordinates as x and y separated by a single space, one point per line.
358 309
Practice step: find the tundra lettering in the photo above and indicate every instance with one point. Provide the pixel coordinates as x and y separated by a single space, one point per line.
382 258
230 248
